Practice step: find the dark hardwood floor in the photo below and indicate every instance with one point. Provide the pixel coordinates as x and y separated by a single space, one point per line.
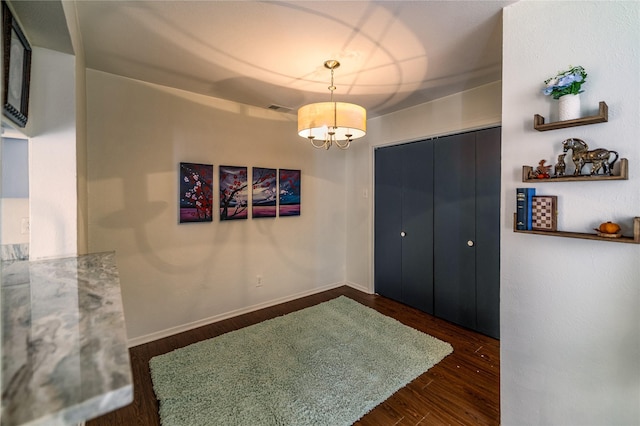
463 389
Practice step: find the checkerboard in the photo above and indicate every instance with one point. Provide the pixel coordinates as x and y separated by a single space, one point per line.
544 213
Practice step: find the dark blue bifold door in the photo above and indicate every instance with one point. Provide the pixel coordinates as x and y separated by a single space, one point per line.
388 222
454 229
437 227
417 226
488 231
403 224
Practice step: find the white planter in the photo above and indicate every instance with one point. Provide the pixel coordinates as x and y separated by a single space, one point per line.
568 107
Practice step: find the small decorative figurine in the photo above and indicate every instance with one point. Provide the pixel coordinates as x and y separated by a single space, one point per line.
560 166
542 171
599 158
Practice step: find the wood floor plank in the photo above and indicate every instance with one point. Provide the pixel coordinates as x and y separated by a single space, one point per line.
463 389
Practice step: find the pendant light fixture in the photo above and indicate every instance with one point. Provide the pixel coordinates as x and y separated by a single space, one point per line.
328 123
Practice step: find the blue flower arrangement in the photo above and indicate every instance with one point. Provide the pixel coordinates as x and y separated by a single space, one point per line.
566 82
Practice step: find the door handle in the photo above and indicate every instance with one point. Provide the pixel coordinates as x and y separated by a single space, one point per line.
403 234
470 243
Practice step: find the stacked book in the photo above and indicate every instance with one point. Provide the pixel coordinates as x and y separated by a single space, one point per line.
535 212
524 198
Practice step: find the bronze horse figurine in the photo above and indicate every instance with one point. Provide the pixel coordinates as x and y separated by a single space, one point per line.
599 158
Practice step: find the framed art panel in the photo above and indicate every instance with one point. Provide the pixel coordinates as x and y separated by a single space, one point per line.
16 53
196 192
264 193
289 192
233 193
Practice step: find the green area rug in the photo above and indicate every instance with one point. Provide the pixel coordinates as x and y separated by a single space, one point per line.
329 364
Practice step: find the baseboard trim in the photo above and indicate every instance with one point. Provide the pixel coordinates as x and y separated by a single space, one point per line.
359 287
140 340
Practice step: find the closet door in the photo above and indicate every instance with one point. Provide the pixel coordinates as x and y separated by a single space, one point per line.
417 225
388 222
403 224
488 231
455 229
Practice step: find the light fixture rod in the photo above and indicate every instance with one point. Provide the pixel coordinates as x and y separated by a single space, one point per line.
332 64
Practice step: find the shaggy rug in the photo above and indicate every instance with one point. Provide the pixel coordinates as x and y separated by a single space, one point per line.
329 364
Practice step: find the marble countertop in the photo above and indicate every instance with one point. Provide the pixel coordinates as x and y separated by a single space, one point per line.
64 344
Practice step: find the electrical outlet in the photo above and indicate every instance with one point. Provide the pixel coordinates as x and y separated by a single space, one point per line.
258 280
24 225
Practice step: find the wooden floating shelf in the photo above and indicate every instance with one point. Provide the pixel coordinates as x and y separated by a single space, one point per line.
585 236
623 175
603 116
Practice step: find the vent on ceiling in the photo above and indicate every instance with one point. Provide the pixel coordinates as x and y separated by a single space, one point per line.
280 108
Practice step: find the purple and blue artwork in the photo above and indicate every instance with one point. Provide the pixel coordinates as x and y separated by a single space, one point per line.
233 193
196 192
289 192
265 193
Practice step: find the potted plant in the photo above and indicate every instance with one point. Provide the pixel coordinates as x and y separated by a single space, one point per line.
566 86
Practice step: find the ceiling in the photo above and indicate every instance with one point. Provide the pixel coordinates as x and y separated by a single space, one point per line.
393 54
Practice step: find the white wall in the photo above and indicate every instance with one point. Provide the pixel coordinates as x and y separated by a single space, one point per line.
472 109
570 317
12 213
81 124
15 168
175 276
52 155
14 198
